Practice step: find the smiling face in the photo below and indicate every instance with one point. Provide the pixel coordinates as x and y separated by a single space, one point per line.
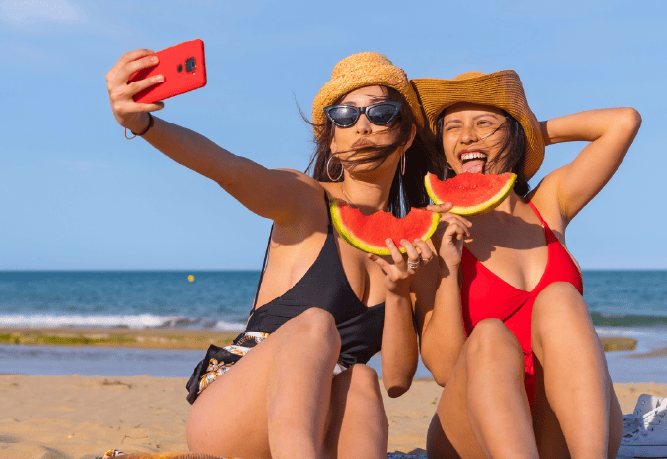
364 134
473 137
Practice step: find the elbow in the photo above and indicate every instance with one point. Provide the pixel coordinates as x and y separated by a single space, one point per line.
397 383
439 371
397 388
440 380
631 120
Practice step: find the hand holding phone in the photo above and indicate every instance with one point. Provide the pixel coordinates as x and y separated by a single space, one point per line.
183 67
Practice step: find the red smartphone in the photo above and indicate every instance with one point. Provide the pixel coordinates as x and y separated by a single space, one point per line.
183 67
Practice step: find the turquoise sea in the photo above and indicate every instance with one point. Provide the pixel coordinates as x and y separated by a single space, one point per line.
622 303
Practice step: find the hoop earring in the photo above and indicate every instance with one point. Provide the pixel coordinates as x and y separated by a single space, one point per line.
329 173
403 164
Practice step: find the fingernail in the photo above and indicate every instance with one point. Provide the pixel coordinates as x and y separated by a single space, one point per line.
159 78
154 59
417 241
389 241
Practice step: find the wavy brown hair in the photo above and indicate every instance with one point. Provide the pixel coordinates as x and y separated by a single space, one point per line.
408 189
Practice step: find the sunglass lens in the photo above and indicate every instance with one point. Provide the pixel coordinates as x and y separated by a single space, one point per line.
344 116
381 113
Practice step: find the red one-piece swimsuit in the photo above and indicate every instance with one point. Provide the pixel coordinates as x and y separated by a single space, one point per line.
484 295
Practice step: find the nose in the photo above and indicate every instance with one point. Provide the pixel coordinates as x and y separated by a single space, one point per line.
363 126
468 135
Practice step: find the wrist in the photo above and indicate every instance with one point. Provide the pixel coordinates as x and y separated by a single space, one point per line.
398 292
448 272
144 123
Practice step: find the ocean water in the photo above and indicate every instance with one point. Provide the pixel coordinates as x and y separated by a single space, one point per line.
622 303
221 300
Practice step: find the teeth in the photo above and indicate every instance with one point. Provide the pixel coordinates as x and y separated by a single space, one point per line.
474 155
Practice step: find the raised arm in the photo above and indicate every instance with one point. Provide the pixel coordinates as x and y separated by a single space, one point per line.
441 325
610 132
275 194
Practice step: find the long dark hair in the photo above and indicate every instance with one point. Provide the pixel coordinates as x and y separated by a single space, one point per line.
513 151
408 189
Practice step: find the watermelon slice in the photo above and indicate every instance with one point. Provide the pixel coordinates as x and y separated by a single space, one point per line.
369 233
470 194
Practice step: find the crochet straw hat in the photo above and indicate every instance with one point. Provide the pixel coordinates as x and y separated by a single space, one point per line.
501 89
357 71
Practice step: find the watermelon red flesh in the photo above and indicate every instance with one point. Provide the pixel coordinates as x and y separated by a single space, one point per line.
471 194
369 233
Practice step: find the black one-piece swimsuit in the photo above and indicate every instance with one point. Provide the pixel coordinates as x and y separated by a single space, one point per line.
324 286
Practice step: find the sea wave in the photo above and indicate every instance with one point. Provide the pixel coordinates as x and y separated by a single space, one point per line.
137 322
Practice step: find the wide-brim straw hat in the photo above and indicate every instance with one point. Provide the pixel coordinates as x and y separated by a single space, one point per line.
500 89
357 71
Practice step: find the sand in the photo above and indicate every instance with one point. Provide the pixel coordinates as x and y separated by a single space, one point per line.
79 417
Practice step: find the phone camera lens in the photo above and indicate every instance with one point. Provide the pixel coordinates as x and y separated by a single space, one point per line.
179 69
190 65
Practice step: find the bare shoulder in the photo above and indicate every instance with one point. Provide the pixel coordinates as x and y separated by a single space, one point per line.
309 197
545 198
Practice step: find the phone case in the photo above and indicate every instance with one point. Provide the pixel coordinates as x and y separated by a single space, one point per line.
183 67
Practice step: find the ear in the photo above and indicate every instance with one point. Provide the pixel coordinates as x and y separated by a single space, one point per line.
413 133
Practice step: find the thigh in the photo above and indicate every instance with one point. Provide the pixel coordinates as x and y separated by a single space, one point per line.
229 418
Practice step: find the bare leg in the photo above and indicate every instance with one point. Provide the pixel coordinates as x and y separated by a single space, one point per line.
359 426
274 402
575 399
484 410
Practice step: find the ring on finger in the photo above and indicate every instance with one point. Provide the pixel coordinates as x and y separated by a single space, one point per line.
424 260
413 264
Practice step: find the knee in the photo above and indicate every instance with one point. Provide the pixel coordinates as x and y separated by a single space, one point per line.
316 325
558 300
492 341
364 381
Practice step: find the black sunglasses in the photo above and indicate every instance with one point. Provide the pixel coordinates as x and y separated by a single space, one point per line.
348 115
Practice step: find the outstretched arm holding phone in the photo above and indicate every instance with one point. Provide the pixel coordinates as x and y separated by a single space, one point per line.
305 389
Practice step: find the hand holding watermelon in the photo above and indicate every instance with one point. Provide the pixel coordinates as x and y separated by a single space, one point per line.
402 269
448 238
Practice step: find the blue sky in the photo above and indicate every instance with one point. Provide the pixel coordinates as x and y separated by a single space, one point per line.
74 194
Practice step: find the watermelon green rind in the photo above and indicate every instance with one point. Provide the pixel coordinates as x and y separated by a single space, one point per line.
348 235
480 208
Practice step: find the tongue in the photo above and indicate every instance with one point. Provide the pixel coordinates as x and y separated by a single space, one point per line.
476 165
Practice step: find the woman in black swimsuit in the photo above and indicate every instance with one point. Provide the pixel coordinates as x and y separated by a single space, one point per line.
323 308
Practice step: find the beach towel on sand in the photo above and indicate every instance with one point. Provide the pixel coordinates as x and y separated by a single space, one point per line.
112 453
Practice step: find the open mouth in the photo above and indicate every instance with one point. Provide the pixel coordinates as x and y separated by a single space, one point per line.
472 161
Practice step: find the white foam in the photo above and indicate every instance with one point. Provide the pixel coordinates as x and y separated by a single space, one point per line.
101 321
228 326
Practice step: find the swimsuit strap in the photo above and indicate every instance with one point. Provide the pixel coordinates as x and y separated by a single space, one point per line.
261 276
538 214
266 254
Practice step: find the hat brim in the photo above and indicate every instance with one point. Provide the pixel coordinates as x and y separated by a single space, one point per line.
381 75
501 89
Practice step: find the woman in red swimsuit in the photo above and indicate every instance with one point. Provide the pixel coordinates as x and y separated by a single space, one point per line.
510 336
